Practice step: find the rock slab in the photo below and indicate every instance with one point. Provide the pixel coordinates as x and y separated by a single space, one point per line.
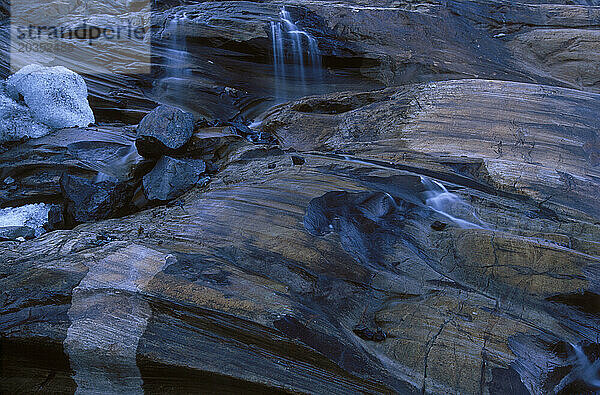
15 232
102 339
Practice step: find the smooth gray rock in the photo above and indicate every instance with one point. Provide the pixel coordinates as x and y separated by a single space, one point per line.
14 232
55 96
163 130
172 177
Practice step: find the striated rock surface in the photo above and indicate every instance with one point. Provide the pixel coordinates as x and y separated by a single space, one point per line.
228 60
260 288
103 352
31 172
531 140
438 236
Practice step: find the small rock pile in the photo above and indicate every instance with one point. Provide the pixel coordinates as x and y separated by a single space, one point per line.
164 133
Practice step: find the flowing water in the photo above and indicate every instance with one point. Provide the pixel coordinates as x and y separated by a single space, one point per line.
450 205
117 167
589 372
177 60
296 57
436 197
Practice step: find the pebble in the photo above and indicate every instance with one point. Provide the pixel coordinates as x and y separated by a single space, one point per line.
298 160
437 225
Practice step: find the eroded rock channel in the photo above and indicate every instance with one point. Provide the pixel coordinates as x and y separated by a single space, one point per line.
310 197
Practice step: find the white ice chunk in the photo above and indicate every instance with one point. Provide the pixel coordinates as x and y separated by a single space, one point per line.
32 215
56 96
16 122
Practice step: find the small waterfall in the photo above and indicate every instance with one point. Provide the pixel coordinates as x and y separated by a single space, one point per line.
451 206
583 370
119 167
296 57
177 58
589 372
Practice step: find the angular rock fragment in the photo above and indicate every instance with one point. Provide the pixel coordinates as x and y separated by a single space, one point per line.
90 201
298 160
233 288
164 130
438 226
368 334
56 218
210 140
172 177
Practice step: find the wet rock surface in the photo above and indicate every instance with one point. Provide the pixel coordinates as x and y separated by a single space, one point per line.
35 167
458 291
537 140
228 70
16 232
439 235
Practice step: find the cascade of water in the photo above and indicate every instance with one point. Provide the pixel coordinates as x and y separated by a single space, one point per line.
589 372
118 168
296 57
446 203
278 57
177 60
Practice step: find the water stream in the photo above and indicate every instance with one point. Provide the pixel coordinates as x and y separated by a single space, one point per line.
117 167
450 205
177 58
296 58
588 371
